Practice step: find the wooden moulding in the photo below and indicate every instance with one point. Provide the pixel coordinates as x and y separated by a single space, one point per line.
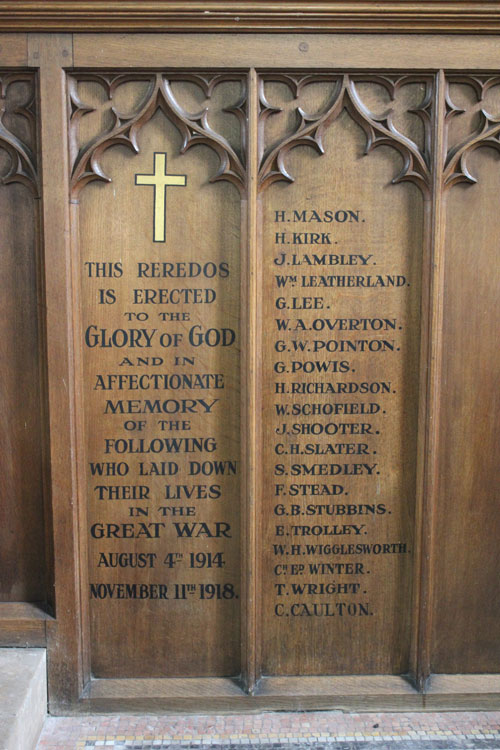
22 625
437 16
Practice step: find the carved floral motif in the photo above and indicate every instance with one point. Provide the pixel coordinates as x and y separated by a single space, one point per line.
19 146
194 127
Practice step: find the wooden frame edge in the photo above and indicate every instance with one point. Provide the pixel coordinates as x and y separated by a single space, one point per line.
66 673
435 16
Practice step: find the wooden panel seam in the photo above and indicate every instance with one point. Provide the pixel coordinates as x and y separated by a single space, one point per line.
429 401
250 400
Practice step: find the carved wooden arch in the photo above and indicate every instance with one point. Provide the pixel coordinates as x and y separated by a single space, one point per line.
193 127
23 158
379 129
487 133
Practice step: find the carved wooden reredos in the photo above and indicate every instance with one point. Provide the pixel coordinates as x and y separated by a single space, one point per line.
256 378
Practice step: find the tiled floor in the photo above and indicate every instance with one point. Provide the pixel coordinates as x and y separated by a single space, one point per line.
326 729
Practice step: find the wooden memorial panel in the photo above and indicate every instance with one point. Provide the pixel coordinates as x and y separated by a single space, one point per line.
158 254
24 552
271 361
467 550
342 254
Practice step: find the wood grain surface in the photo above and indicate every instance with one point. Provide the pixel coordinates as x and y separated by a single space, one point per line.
467 554
175 440
339 454
23 556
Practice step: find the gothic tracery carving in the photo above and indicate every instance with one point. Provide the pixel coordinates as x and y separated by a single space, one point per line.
18 128
379 129
487 132
194 127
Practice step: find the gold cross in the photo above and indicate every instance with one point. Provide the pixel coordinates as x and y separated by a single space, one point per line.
160 179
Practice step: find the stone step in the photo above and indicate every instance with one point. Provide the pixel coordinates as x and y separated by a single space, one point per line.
23 697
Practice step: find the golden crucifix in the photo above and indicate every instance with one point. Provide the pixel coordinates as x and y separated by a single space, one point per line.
159 180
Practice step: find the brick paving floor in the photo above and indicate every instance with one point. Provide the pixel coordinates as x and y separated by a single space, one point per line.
318 730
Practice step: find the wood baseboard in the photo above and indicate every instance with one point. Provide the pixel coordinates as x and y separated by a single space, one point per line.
349 693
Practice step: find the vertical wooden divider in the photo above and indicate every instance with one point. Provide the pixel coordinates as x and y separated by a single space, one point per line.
80 457
49 602
250 398
430 396
51 54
